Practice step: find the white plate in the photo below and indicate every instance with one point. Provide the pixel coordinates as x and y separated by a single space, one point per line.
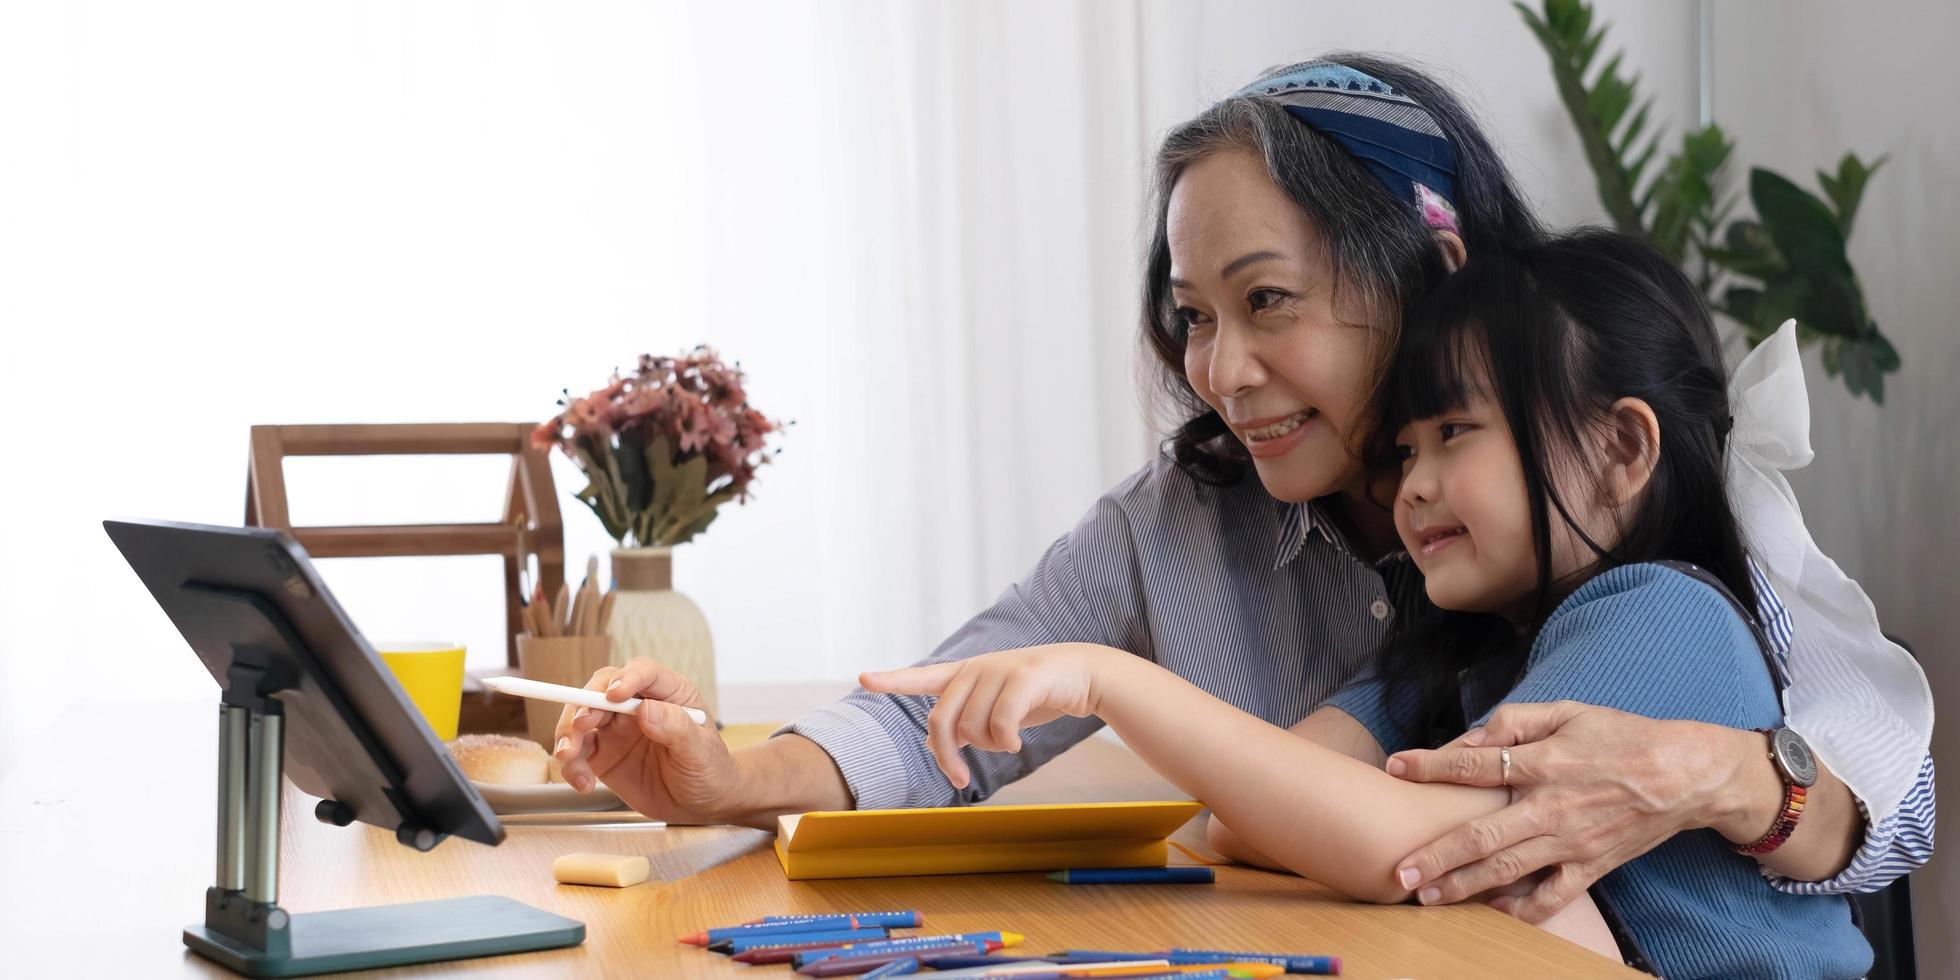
546 798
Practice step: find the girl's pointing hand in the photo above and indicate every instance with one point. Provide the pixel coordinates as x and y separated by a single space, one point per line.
986 701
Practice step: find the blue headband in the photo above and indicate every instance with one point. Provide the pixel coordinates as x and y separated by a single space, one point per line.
1395 138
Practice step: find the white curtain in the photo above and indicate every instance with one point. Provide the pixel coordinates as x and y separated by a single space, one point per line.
917 225
914 224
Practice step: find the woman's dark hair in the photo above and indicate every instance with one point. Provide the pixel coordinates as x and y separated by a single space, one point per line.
1554 335
1378 245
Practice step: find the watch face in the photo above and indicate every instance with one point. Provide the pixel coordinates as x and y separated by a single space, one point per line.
1793 757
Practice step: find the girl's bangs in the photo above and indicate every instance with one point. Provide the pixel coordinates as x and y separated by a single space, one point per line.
1443 363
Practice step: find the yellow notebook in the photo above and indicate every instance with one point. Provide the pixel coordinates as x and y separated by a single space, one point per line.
977 839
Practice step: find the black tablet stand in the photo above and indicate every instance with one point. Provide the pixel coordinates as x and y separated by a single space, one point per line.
244 928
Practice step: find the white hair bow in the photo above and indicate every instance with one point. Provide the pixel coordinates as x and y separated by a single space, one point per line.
1859 700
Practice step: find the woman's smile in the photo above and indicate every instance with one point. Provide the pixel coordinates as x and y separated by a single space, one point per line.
1267 438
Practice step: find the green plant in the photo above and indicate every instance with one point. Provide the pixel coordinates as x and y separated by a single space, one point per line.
1789 261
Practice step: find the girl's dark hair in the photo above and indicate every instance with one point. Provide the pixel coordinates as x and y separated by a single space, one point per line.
1554 335
1377 244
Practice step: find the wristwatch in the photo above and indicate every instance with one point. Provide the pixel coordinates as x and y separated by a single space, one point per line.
1798 767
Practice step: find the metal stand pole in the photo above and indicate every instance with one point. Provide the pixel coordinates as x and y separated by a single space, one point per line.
234 726
242 907
265 767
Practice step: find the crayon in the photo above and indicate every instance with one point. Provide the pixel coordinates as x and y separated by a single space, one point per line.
744 944
839 966
1142 973
1321 965
814 923
881 946
961 961
1135 876
1129 968
902 919
1012 970
896 968
787 954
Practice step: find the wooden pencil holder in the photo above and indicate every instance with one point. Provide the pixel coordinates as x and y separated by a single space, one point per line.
567 660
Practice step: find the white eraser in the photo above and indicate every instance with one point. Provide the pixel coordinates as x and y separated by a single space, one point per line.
610 870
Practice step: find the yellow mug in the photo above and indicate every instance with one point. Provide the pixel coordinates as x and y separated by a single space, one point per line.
432 674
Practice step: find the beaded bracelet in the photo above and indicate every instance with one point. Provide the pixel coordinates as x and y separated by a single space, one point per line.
1785 825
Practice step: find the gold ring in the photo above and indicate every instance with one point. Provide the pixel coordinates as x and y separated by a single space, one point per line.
1504 754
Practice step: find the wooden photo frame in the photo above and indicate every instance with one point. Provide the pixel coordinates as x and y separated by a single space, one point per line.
530 527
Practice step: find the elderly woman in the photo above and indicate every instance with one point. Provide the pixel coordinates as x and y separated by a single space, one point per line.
1249 559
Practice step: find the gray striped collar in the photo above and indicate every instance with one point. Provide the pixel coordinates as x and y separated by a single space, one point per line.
1298 521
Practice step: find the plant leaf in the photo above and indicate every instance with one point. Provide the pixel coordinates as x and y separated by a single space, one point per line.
1750 252
1685 193
1638 167
681 505
1861 359
1632 130
687 533
633 475
1883 353
1739 302
1610 94
1847 189
691 484
666 478
590 498
1803 227
1565 32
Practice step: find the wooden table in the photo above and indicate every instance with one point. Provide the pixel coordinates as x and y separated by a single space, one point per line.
106 846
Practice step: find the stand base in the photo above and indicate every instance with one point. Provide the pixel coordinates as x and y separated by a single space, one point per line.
395 935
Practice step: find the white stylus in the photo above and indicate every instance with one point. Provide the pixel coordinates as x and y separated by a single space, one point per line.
539 690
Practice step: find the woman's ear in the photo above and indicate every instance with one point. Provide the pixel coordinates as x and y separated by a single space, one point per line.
1451 245
1633 449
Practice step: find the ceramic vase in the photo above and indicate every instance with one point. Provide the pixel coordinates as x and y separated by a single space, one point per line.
650 619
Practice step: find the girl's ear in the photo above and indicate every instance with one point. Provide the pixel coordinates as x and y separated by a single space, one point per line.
1451 245
1633 449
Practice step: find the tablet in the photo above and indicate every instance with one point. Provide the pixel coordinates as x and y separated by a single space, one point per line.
250 598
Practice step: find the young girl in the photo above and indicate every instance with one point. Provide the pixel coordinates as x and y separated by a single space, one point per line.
1559 417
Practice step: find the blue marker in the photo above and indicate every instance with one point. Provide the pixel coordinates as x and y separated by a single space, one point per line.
1135 876
1321 965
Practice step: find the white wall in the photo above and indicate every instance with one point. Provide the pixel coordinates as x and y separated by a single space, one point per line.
1799 85
1195 53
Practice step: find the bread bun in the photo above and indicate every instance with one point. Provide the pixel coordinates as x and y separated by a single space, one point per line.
501 759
